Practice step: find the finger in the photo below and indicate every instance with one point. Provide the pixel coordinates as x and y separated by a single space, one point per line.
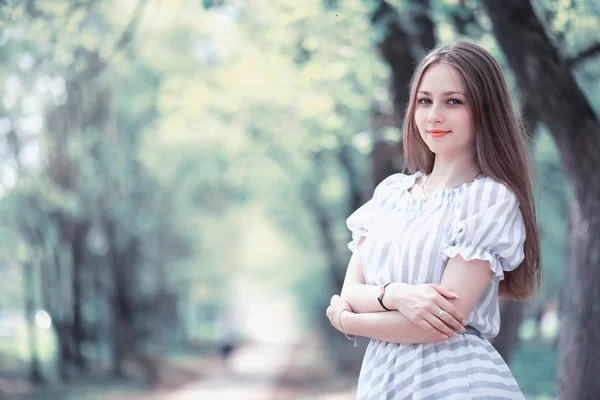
450 321
425 321
444 291
330 314
427 327
440 325
456 318
336 299
452 316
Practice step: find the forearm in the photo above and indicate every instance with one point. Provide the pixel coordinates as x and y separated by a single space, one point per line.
389 326
362 298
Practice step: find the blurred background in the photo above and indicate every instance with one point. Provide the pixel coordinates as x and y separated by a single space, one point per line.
176 175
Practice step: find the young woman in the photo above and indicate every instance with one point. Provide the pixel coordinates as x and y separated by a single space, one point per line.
433 250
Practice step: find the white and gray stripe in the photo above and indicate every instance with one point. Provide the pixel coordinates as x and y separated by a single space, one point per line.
409 241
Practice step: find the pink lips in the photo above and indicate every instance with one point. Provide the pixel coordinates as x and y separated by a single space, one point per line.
436 133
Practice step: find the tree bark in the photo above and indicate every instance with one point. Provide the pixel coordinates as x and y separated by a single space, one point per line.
35 371
395 49
56 302
425 33
78 250
123 259
398 49
355 189
548 83
511 314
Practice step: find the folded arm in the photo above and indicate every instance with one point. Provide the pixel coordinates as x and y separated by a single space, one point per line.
418 323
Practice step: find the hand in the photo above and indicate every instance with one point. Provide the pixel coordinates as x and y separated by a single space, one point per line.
336 306
422 305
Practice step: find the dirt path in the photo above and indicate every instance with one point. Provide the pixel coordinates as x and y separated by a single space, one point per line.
252 374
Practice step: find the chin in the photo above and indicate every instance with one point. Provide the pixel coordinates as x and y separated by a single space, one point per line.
442 148
435 146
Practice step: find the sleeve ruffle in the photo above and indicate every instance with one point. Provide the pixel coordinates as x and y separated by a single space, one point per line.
361 220
358 223
478 254
490 228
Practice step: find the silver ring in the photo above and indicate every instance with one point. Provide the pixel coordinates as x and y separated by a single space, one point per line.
440 314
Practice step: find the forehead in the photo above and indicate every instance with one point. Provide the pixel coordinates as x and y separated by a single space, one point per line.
440 77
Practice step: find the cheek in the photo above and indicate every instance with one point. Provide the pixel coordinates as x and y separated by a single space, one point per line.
464 121
420 119
466 118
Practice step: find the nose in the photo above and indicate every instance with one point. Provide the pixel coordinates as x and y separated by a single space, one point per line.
435 115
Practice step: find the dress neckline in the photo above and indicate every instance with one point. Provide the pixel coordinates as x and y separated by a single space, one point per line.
439 193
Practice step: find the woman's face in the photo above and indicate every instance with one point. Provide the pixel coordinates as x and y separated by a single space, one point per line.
442 114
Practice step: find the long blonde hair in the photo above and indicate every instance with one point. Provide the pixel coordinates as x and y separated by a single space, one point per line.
501 146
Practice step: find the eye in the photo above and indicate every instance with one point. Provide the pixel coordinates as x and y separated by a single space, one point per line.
424 100
454 102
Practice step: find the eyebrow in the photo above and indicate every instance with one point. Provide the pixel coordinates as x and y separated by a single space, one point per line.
443 94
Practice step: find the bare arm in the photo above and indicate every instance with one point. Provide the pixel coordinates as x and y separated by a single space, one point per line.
369 318
389 326
413 301
468 279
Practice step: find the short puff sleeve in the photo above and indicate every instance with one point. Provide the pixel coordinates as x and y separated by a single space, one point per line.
360 220
489 226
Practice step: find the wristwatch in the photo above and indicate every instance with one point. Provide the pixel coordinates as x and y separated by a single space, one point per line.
381 294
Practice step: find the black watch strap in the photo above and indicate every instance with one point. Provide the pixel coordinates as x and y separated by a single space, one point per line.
380 298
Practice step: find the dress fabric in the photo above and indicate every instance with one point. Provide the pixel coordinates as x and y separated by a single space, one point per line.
410 240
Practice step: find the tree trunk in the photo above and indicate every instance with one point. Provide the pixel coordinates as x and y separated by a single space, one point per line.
395 49
337 345
65 350
49 285
120 332
123 262
353 177
35 371
398 49
548 83
87 106
78 249
57 304
511 314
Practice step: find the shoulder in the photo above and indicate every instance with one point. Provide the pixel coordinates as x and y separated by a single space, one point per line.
395 182
488 191
486 199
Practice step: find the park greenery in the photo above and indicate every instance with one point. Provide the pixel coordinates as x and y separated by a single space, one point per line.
166 162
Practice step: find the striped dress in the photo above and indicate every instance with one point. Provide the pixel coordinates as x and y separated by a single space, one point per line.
410 240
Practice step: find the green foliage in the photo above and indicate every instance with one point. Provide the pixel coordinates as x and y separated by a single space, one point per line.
214 130
535 367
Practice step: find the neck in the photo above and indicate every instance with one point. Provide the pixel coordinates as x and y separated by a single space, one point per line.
450 172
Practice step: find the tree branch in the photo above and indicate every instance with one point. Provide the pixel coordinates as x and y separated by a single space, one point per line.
589 53
100 63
